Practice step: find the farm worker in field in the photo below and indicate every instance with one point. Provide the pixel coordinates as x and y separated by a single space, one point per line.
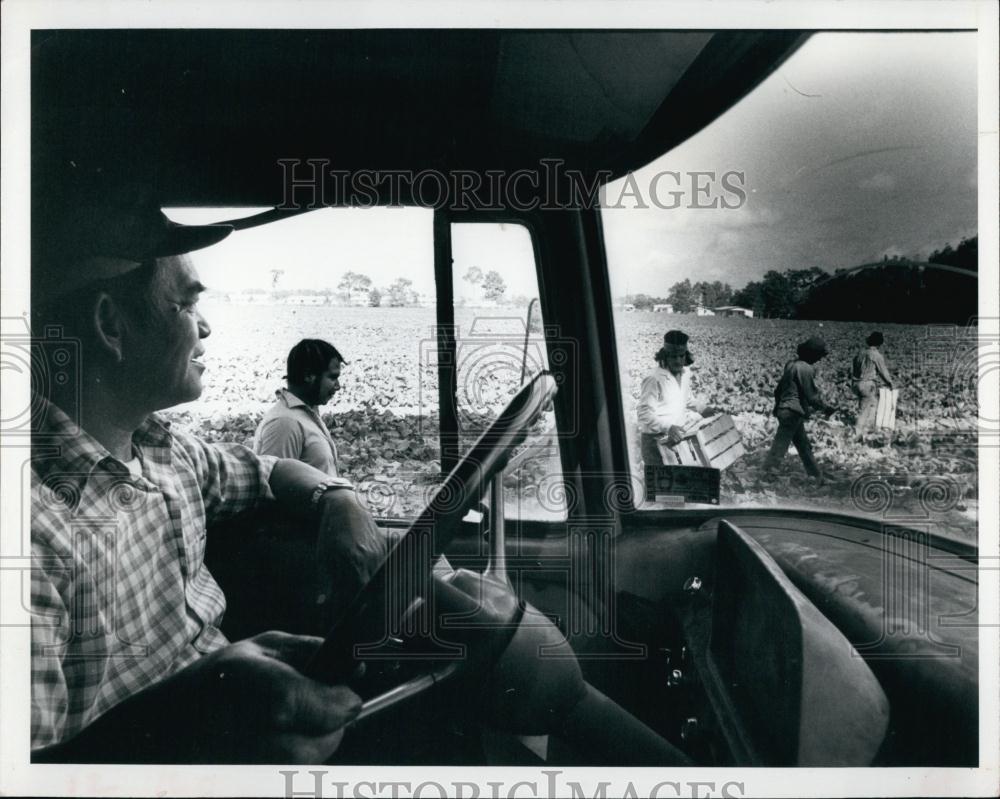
795 397
666 403
868 371
127 659
292 427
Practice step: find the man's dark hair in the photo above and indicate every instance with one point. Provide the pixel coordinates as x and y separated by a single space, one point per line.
311 356
73 311
875 339
812 349
70 316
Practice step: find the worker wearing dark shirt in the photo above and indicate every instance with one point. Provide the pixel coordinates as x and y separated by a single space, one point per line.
794 399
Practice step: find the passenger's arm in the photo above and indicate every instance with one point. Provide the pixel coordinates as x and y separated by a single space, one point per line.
350 547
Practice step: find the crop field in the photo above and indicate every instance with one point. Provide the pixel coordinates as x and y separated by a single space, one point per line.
386 425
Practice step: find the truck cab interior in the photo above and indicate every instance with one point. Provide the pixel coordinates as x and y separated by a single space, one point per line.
613 633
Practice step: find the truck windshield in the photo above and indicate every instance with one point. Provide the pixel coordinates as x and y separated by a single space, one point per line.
814 252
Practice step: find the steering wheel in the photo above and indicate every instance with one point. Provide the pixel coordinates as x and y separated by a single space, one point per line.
405 574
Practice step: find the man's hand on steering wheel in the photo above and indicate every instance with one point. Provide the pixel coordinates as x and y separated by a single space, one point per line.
248 702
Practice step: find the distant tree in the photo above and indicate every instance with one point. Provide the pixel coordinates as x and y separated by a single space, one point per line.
965 255
750 296
713 294
900 289
801 281
353 282
683 296
473 275
374 297
642 302
401 293
777 295
275 277
493 286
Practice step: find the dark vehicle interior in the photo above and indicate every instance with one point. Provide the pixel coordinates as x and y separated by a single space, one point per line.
618 636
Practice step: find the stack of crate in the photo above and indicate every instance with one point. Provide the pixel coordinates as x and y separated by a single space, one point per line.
714 443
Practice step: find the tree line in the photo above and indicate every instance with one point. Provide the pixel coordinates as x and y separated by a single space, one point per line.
896 289
685 296
398 294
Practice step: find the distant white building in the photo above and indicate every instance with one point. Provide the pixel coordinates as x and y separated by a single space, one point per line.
628 307
663 307
701 310
733 310
305 299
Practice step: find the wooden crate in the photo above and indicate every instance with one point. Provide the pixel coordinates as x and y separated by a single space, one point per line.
714 442
885 414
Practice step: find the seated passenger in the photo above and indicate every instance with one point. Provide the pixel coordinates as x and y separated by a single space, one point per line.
128 662
666 403
292 427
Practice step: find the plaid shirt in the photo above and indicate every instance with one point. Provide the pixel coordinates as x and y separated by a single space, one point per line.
120 596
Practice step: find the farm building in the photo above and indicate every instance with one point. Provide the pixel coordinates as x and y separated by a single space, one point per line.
733 310
304 299
663 307
628 307
701 310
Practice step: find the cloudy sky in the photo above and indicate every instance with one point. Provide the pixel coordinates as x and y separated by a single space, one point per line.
860 145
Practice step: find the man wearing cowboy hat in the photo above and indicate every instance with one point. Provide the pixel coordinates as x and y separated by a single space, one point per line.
128 661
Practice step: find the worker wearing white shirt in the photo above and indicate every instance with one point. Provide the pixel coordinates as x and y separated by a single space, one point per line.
666 403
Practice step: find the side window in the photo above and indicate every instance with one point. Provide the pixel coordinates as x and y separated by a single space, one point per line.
500 345
361 279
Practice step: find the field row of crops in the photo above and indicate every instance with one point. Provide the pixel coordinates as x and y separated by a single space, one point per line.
385 417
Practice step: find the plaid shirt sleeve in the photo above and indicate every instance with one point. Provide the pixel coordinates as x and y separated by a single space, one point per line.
50 621
231 477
